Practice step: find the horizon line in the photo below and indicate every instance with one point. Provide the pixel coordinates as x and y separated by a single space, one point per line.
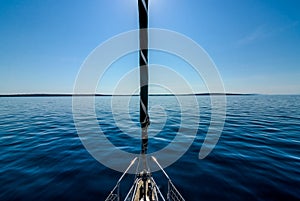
99 94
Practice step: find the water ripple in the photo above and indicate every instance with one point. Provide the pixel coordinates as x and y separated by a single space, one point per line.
256 158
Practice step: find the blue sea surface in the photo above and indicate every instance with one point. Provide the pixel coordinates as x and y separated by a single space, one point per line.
257 156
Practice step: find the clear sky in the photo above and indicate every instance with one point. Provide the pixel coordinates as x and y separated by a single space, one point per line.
254 43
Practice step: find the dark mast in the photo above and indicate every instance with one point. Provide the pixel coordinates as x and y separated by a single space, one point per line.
143 59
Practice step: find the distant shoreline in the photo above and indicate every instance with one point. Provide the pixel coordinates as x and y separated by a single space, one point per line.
69 95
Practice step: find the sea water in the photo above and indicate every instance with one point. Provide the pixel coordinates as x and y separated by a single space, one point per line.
256 158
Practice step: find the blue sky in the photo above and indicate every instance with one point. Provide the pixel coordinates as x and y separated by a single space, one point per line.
254 44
